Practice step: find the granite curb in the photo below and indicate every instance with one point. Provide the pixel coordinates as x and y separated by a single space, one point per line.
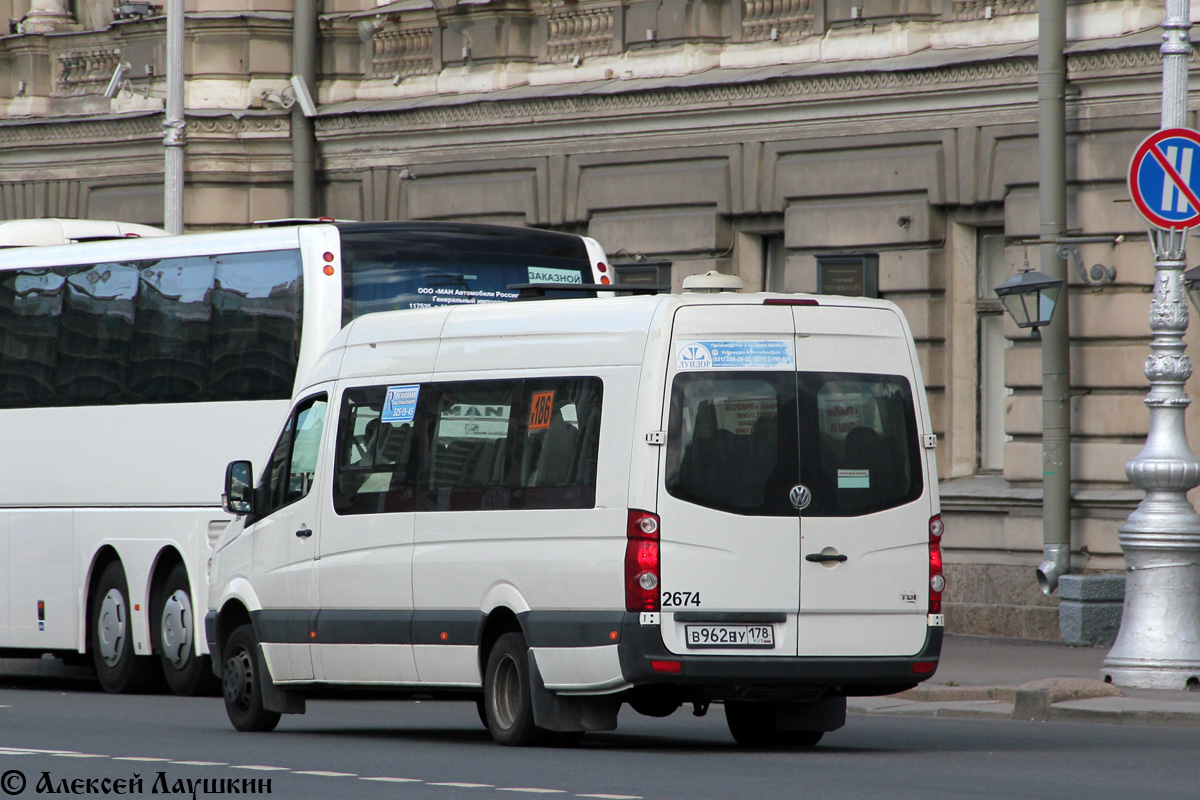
1065 699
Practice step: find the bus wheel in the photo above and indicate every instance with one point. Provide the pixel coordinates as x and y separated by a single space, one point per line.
507 694
187 673
753 725
119 669
243 683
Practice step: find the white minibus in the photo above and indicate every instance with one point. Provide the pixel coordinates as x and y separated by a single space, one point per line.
563 508
132 371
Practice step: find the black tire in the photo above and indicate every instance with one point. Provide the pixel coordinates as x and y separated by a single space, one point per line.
187 674
507 695
753 725
119 669
243 678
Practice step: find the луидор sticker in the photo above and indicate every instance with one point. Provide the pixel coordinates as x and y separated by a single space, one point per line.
400 404
736 354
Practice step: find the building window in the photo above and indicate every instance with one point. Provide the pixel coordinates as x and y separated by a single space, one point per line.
991 270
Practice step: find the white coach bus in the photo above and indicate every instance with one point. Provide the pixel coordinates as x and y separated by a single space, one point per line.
133 370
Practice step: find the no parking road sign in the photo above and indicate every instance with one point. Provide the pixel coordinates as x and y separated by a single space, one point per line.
1164 178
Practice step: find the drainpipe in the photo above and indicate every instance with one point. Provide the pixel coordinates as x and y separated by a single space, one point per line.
304 64
1056 378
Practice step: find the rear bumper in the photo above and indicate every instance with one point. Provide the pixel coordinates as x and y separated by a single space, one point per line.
640 646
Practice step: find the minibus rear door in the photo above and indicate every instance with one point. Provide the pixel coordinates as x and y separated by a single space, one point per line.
730 539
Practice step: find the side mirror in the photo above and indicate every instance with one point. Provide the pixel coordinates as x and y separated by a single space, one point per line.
239 488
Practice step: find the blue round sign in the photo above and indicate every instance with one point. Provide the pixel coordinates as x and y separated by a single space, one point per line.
1164 178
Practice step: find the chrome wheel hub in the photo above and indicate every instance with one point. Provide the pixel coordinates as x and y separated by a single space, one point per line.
177 629
111 627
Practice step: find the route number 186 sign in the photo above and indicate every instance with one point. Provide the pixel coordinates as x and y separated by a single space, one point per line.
1164 178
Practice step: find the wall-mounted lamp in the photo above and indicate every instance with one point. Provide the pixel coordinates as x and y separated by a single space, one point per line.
1030 298
118 80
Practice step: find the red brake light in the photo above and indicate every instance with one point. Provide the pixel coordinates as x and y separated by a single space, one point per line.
600 265
937 582
923 667
641 562
788 301
672 667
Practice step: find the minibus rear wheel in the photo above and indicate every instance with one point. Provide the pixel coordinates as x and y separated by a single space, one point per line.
507 694
753 724
243 679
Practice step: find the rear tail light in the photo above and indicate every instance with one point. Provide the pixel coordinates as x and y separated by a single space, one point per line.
937 582
790 301
641 562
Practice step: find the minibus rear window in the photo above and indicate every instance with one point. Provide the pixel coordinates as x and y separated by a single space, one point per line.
739 441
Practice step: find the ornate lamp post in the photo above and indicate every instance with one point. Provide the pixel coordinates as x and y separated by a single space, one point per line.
1158 646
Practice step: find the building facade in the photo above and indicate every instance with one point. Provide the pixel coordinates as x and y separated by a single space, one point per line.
780 140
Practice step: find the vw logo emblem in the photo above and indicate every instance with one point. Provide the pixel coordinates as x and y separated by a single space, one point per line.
800 496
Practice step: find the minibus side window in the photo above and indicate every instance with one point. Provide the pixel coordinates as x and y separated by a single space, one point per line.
513 444
559 432
468 454
293 462
375 467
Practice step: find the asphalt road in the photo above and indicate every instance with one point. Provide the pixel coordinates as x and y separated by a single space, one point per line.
59 734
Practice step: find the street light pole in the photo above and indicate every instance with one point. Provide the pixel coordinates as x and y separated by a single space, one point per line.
174 125
1158 646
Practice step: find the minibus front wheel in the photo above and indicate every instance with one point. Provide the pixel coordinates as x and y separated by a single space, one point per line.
243 679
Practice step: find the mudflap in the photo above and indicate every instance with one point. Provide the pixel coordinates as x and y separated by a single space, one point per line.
825 715
554 712
281 701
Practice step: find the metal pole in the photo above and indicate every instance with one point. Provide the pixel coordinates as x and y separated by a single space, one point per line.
174 126
304 64
1056 357
1158 646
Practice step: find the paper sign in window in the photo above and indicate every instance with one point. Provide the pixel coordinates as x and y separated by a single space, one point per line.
400 404
540 410
854 479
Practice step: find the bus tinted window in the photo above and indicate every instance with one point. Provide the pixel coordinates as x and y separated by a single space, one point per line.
391 268
176 330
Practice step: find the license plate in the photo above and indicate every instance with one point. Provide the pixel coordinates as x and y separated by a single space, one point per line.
729 635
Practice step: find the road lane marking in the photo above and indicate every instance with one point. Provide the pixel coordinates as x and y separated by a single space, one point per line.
20 751
324 774
532 790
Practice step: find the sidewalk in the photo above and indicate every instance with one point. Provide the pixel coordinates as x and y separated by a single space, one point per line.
1023 680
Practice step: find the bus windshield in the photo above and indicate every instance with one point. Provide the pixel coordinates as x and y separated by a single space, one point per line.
389 268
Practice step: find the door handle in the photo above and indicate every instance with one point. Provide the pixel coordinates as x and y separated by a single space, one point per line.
304 533
821 558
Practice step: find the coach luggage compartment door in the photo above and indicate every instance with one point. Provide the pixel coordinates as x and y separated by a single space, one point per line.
864 568
729 535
